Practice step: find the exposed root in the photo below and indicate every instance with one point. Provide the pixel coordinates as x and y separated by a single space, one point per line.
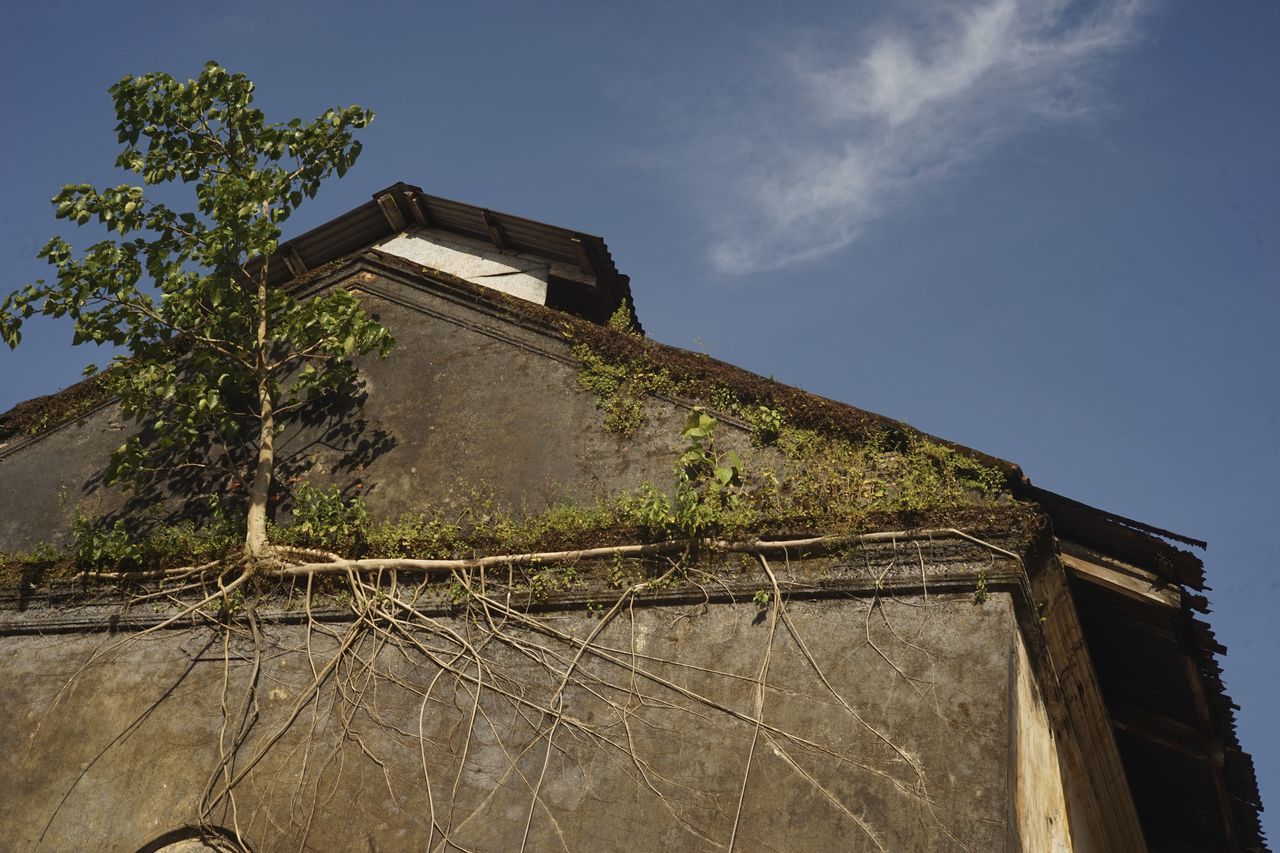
670 546
637 689
761 681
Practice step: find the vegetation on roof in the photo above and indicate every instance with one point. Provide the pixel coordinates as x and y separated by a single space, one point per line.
41 414
793 482
620 367
815 465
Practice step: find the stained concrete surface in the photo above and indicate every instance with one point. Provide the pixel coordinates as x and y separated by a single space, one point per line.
467 401
651 754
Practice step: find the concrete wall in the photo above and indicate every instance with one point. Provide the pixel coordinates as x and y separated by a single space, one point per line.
1040 802
905 746
468 399
925 729
43 482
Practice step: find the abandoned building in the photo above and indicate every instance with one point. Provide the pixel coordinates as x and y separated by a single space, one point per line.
883 641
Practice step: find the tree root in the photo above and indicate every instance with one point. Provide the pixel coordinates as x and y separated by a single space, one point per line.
388 617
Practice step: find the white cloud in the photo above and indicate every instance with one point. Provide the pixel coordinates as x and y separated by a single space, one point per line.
845 138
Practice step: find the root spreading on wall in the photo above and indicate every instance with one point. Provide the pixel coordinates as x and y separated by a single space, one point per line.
514 701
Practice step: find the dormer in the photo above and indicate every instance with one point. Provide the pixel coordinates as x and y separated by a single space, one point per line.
557 267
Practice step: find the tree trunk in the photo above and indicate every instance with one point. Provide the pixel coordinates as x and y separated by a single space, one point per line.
255 538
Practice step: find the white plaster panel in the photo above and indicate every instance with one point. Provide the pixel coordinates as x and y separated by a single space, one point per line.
474 261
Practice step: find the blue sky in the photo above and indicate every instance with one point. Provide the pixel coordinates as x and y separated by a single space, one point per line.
1048 229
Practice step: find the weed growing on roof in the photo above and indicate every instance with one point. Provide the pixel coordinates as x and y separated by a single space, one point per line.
801 480
101 546
648 508
412 534
42 554
624 415
620 389
540 583
185 541
766 424
620 370
722 398
708 482
105 545
827 477
31 567
818 482
623 573
596 375
34 417
324 517
622 320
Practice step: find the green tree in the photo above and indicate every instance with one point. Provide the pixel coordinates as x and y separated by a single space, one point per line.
211 357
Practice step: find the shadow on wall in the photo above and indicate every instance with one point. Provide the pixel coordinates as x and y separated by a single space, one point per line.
202 482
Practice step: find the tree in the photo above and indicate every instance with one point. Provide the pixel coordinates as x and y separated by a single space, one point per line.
208 349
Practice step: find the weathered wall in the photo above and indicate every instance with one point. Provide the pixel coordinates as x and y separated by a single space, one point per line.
904 746
468 399
471 400
893 704
1040 802
42 482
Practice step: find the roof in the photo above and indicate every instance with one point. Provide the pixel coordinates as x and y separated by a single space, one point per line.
1193 784
402 206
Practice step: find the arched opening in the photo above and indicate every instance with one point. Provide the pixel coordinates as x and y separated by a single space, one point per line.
195 839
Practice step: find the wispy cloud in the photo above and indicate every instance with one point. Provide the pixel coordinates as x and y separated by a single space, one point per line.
839 140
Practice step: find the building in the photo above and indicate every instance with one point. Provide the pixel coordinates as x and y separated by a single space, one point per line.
909 647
